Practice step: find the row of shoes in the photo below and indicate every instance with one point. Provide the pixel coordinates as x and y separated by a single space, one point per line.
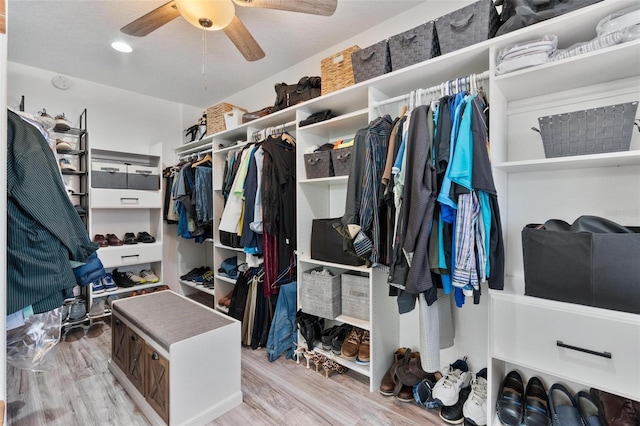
351 343
112 298
63 146
533 406
58 124
226 300
129 278
319 360
129 239
74 310
200 275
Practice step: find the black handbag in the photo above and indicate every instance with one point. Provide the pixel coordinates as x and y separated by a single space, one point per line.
292 94
317 117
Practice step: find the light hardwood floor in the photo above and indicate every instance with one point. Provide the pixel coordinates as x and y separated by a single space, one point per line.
81 391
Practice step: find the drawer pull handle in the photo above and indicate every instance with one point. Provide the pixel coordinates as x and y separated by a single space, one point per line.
155 356
561 344
132 258
128 200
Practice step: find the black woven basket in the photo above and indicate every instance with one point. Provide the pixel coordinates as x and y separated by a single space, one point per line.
590 131
413 46
467 26
371 61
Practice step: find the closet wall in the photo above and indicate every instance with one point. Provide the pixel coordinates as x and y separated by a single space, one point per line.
262 94
139 121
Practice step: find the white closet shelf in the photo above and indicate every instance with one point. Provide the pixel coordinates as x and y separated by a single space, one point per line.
122 290
356 322
234 147
610 159
222 246
339 126
194 146
333 180
198 287
223 309
304 259
225 279
613 63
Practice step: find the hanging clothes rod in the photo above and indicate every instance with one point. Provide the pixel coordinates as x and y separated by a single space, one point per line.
463 80
195 154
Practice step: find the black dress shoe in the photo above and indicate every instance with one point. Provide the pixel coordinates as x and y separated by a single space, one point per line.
453 414
338 339
510 399
327 337
536 411
130 238
145 237
562 407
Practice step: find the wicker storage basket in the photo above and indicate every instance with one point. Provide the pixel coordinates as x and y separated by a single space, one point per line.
341 161
591 131
320 295
336 71
464 27
355 296
414 46
215 117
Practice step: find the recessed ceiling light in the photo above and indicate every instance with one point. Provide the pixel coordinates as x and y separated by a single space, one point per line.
121 46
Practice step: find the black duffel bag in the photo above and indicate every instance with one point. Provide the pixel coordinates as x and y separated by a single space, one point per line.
292 94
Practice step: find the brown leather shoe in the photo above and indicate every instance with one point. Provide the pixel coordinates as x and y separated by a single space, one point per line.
351 344
614 409
405 394
387 385
363 352
113 240
101 240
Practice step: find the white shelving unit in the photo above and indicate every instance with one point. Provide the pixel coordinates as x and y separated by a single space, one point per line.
530 187
118 211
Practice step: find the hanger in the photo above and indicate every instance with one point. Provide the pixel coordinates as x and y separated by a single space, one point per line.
203 160
403 111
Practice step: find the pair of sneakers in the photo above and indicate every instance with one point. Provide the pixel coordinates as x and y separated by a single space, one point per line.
460 395
105 284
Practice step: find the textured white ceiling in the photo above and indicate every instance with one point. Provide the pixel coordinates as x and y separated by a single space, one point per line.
73 37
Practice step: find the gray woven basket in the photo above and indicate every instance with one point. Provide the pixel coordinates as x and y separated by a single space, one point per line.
413 46
467 26
320 295
355 296
371 61
591 131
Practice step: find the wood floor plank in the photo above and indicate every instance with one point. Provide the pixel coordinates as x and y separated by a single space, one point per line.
81 391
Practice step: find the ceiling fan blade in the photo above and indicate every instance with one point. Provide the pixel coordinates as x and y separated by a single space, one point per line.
152 20
243 40
314 7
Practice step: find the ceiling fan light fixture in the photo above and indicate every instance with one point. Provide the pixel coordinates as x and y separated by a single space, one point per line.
121 46
211 15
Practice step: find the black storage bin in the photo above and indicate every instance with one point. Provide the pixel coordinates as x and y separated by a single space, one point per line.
230 240
318 164
371 61
414 46
341 160
467 26
326 244
601 270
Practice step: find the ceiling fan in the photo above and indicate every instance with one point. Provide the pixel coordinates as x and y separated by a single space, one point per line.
213 15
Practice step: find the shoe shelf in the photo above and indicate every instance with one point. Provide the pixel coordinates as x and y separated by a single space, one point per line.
124 290
611 159
199 287
225 279
222 246
356 322
351 365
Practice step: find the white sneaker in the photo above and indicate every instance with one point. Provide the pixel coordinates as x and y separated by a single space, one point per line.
448 387
475 407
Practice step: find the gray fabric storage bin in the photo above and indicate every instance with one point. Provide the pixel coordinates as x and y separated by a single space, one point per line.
341 160
318 164
142 177
320 295
108 175
591 131
464 27
414 46
355 296
371 61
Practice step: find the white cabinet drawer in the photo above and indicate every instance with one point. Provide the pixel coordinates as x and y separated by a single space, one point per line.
531 332
125 198
113 257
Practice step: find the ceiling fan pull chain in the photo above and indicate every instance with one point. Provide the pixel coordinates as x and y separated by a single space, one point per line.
204 58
